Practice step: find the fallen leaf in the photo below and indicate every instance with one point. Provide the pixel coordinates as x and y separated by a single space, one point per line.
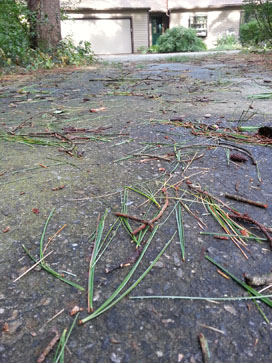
5 328
7 229
57 112
238 158
180 357
114 341
244 232
221 237
75 310
36 211
98 109
58 188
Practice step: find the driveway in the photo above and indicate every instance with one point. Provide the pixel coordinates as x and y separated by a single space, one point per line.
162 144
160 56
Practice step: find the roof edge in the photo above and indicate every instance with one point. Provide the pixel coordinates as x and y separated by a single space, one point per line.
222 6
106 9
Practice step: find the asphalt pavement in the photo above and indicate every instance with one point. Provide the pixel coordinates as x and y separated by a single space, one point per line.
159 56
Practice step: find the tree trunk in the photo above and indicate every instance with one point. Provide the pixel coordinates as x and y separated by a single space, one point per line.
45 24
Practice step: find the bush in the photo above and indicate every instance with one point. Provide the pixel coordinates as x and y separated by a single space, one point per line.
250 34
180 39
15 43
261 29
14 40
145 50
227 42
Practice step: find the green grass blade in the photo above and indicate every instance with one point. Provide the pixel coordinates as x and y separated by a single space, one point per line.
53 272
66 340
100 230
180 231
99 310
199 298
148 196
125 221
43 233
264 95
241 283
258 239
60 345
108 306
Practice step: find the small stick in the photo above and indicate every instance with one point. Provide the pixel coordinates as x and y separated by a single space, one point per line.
192 213
246 218
245 200
131 260
204 192
50 239
212 328
49 347
134 218
159 157
53 317
152 221
31 268
205 348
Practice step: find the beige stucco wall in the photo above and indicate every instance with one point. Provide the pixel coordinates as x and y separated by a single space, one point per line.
139 23
220 22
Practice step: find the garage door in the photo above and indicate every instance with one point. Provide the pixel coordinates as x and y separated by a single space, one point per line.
107 36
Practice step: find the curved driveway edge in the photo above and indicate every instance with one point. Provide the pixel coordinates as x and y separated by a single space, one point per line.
158 56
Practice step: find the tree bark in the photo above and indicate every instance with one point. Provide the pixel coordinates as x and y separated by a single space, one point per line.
45 23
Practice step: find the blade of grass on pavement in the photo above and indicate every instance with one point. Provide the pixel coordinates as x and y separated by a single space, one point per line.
98 238
180 230
109 304
61 353
241 283
60 345
53 272
126 279
43 264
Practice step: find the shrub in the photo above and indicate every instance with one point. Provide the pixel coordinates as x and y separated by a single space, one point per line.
145 50
250 33
180 39
14 40
227 42
261 11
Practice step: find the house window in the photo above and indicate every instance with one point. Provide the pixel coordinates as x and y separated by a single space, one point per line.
199 23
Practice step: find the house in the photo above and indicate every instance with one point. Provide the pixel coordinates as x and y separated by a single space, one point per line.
126 26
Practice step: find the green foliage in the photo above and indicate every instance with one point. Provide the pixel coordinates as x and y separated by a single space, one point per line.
261 12
227 42
14 40
15 43
180 39
145 50
250 34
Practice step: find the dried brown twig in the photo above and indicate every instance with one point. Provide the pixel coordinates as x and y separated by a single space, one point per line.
144 221
245 217
49 347
245 200
152 221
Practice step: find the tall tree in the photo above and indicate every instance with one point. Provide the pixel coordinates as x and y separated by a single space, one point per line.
45 23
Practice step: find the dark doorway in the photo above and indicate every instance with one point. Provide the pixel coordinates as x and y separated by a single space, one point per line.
159 24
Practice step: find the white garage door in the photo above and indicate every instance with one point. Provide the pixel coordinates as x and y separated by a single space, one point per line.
107 36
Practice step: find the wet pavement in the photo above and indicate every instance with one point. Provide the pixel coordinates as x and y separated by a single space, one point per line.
133 138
